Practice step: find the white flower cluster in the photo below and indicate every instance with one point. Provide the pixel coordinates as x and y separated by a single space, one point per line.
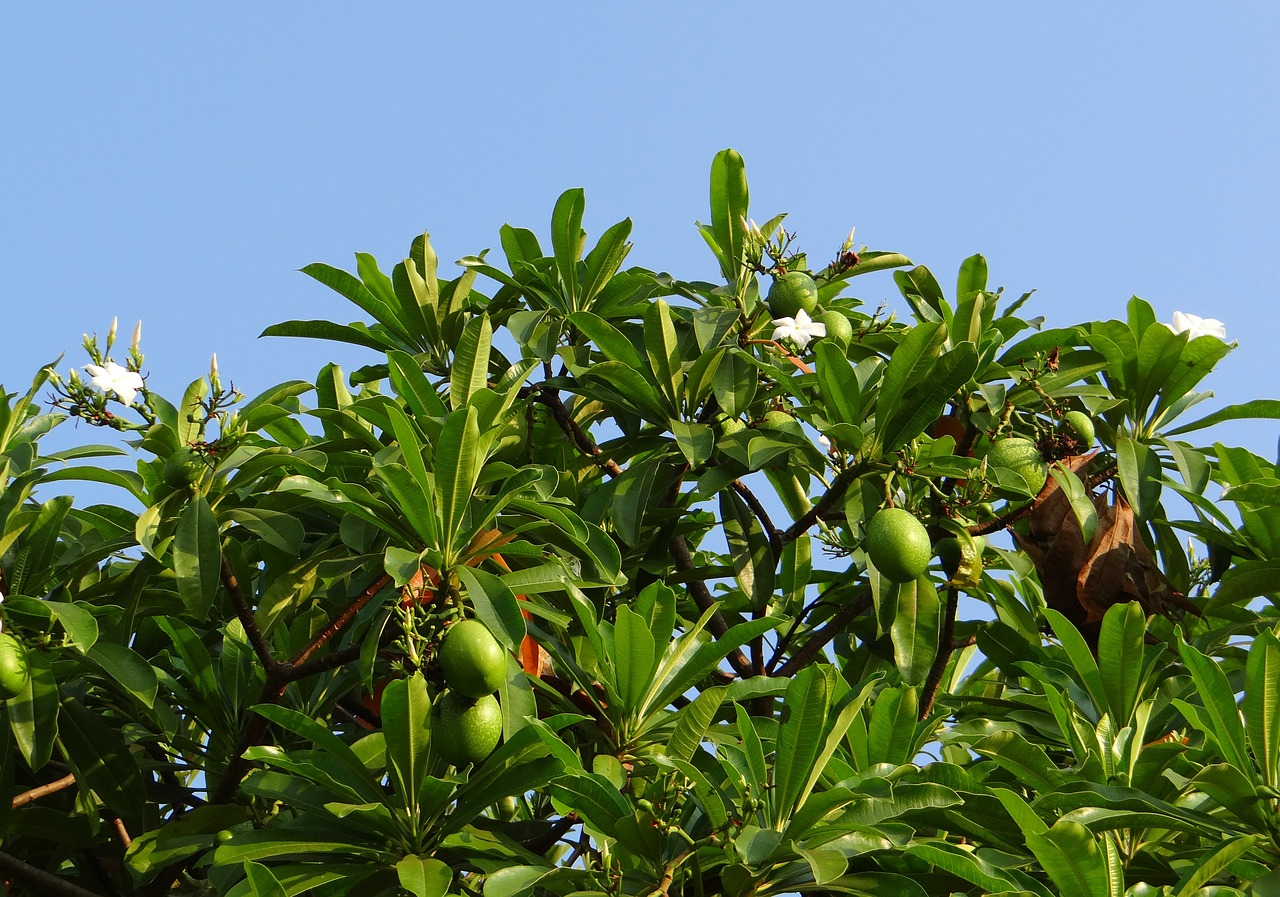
111 377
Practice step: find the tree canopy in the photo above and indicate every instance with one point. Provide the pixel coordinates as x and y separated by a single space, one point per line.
769 591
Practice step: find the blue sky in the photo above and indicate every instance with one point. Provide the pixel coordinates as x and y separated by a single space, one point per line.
179 162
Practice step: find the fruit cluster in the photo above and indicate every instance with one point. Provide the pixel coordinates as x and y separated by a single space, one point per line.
466 721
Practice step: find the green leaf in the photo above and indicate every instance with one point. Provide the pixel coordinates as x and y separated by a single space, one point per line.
729 206
1069 853
1080 655
839 384
1214 863
910 364
1120 659
197 556
470 370
609 339
1140 475
594 798
126 668
1027 761
925 398
804 718
352 334
754 566
662 347
262 881
1226 727
1262 705
33 713
1267 409
412 386
604 260
915 629
634 658
457 468
696 441
1081 503
496 605
567 239
1246 580
424 876
80 626
405 710
99 757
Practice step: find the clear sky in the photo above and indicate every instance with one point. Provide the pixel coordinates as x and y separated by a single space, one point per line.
179 162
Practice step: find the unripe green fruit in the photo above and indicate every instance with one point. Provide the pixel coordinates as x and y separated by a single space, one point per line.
14 672
465 731
731 425
780 422
471 659
792 292
1022 458
898 545
1079 425
839 328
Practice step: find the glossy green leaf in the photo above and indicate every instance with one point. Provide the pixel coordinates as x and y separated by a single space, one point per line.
262 881
33 713
729 207
1226 727
754 566
804 719
424 876
405 708
1082 506
915 627
470 369
127 669
457 468
1120 658
634 659
567 239
1069 853
197 556
1139 470
100 758
1261 705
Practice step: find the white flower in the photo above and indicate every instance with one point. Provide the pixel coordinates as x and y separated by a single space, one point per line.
113 378
800 329
1194 325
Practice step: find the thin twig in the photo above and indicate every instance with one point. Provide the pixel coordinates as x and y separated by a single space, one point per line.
40 791
341 620
703 598
551 399
824 505
818 640
245 613
774 534
945 647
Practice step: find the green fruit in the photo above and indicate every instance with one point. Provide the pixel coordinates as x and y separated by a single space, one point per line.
898 545
839 328
473 662
730 426
1080 426
182 468
224 836
780 422
465 731
14 673
1020 457
792 292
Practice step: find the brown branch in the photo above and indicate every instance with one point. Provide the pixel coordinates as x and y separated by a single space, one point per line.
122 833
44 882
819 638
824 505
322 664
774 534
551 399
703 598
341 620
40 791
945 647
245 613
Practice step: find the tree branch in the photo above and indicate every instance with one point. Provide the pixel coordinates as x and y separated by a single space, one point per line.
703 598
823 506
945 647
44 882
340 621
819 638
40 791
774 534
551 399
245 614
